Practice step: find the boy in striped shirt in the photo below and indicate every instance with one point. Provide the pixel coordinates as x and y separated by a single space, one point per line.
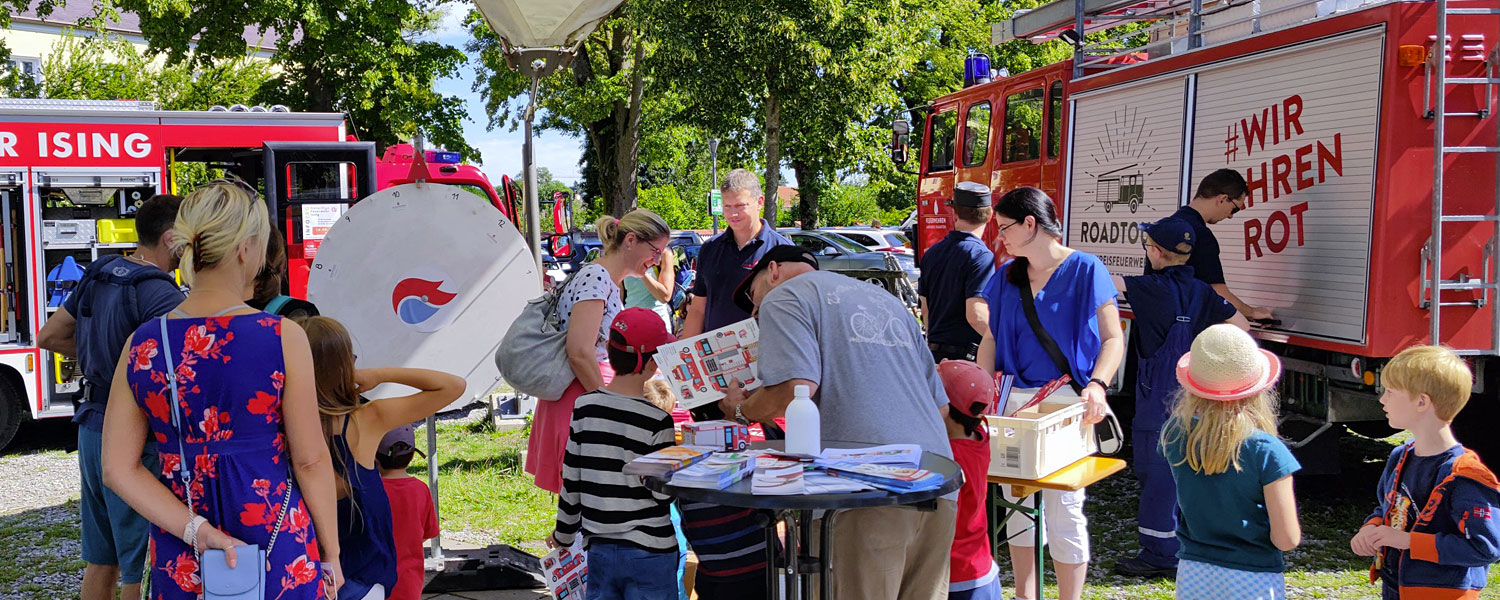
627 529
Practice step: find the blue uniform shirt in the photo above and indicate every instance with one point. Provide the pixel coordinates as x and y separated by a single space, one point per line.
954 270
1205 257
1222 517
1150 298
722 265
1068 307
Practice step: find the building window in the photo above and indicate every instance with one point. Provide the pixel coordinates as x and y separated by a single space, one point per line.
977 134
28 66
1023 126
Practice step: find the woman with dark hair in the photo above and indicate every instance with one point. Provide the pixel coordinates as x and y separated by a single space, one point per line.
265 292
1074 299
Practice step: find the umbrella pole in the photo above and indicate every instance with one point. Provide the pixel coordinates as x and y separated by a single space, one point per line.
528 160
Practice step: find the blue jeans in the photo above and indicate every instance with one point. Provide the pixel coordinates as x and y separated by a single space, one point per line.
621 572
113 534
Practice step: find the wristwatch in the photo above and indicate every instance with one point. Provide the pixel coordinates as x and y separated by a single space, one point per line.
739 414
1102 384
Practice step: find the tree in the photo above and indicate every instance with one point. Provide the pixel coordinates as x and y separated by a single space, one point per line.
361 57
14 83
106 67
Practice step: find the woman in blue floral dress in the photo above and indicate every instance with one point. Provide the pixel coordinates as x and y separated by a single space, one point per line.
246 418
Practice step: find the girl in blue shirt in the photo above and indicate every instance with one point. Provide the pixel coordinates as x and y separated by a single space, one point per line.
1075 303
1237 513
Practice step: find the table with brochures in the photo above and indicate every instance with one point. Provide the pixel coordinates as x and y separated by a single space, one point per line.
796 577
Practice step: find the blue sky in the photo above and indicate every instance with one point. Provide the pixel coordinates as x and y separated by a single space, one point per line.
501 148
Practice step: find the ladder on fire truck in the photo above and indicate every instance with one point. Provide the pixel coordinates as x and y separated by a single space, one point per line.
1441 57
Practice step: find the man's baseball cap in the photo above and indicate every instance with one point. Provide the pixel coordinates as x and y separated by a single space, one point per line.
971 194
400 441
970 389
1171 233
778 254
643 330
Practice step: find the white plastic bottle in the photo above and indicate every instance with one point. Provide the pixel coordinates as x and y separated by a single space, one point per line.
804 428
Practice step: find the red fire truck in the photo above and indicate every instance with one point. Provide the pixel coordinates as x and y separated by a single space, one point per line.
1330 108
73 172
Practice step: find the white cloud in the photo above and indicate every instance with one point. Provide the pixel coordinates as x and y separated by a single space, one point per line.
449 28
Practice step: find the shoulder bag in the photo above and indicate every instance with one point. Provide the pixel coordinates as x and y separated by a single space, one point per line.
533 356
247 579
1107 432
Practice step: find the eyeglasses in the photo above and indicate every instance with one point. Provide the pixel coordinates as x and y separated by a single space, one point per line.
654 250
1001 231
239 183
1237 207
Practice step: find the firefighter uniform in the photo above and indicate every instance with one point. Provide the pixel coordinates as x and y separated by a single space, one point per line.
953 271
1171 308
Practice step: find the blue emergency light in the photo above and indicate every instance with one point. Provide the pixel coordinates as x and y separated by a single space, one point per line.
976 69
440 156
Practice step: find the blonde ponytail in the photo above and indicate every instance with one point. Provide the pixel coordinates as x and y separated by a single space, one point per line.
646 225
212 223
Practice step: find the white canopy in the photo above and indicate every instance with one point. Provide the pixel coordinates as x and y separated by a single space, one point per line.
545 23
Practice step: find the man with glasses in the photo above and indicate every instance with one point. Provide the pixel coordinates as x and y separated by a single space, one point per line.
728 541
954 273
1220 195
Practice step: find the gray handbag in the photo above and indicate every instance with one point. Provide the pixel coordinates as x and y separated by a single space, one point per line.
533 356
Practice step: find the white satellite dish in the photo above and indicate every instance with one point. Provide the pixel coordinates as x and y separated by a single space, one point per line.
426 277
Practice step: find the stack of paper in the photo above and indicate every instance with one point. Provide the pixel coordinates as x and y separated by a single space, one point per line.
716 472
666 461
889 454
888 477
822 483
776 477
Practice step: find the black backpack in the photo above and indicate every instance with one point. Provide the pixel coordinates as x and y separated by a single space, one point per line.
111 281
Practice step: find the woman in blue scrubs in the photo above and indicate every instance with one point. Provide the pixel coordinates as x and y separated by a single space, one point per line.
1075 303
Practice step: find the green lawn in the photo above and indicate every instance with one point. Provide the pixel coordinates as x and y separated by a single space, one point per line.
485 491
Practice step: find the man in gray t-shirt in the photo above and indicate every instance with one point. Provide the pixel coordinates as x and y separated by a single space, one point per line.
864 357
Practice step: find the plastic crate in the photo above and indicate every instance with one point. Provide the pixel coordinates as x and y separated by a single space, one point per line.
1040 440
117 231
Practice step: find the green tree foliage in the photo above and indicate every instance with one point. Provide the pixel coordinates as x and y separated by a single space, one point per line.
362 57
106 67
14 83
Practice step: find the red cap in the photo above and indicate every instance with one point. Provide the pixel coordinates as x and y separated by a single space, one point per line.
970 389
642 329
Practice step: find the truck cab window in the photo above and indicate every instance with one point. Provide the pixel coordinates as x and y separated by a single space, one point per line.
942 132
1054 120
1023 126
977 134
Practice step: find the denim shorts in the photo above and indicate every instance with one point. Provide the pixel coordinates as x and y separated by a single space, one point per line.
113 534
620 572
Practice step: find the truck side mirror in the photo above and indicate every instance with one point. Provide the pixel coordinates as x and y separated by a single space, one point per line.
559 246
900 133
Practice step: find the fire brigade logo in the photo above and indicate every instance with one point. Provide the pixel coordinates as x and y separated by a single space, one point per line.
419 300
1123 161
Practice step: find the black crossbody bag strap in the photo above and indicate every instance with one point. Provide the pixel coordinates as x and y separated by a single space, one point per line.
1048 344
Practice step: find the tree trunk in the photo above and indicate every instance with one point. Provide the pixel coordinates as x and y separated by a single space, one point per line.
628 125
807 194
773 156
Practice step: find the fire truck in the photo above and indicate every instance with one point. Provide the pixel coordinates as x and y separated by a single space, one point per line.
73 172
1366 131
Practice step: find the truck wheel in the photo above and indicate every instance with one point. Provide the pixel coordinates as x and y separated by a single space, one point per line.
1475 427
12 408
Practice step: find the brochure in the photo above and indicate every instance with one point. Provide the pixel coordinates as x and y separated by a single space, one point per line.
567 570
716 472
890 477
666 461
701 367
778 480
890 454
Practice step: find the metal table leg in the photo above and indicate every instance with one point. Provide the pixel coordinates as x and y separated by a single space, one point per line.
1004 509
1037 529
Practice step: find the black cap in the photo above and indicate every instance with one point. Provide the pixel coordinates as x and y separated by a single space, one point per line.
968 193
779 254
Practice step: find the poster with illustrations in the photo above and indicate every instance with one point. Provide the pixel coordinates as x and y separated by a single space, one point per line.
567 571
701 367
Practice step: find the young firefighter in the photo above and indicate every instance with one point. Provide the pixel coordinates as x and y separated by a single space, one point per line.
412 513
972 572
627 529
1171 308
1433 533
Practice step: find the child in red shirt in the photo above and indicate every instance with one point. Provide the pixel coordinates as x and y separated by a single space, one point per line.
412 513
973 574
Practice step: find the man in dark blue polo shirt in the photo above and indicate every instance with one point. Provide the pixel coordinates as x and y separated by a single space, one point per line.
1220 195
726 258
954 272
729 541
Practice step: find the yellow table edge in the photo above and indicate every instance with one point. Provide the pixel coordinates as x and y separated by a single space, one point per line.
1086 472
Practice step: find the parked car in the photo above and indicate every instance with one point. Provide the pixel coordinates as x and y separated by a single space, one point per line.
839 253
880 240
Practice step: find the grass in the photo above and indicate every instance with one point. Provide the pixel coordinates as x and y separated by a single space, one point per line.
39 558
485 495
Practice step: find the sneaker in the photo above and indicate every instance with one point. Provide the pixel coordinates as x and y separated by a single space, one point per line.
1137 567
